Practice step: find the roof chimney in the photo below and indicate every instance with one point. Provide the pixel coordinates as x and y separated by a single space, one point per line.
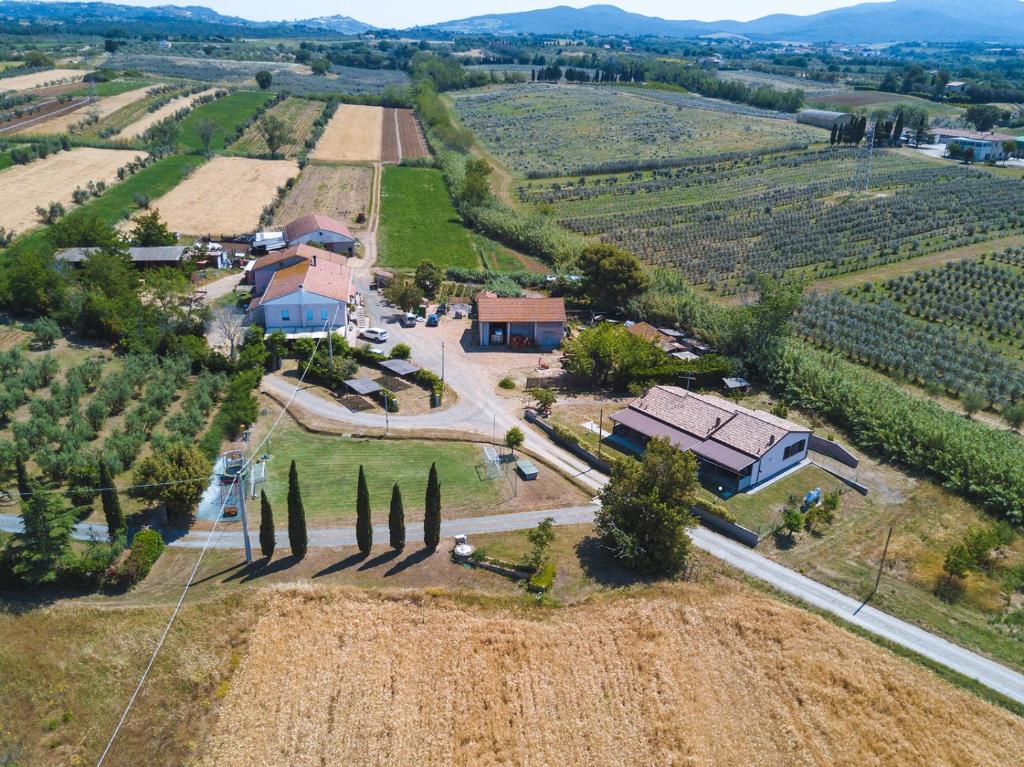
771 439
314 259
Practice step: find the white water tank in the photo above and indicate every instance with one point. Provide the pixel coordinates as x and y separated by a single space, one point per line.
462 551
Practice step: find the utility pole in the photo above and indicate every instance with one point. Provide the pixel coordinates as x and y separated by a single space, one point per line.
387 415
442 362
238 488
600 431
881 564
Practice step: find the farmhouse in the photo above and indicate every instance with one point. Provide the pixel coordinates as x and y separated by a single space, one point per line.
653 335
986 146
310 295
520 322
327 231
737 448
819 118
957 86
166 255
263 268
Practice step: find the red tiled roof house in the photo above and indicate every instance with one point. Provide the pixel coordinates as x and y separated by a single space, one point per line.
327 231
520 322
736 448
304 294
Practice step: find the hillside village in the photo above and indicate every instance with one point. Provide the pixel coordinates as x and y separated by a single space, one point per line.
506 368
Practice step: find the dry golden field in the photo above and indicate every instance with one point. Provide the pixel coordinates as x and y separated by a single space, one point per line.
34 80
341 191
140 126
224 196
102 108
24 187
693 676
353 135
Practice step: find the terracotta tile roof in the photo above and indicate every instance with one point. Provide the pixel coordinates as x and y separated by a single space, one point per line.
315 222
294 252
706 416
327 278
492 309
648 332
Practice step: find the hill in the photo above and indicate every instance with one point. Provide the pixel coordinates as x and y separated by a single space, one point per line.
900 20
691 674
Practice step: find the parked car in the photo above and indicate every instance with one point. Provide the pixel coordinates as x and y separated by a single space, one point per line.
380 335
432 321
408 320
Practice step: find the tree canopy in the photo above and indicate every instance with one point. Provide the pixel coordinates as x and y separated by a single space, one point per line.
611 276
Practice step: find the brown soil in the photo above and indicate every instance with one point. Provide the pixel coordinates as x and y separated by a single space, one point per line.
339 191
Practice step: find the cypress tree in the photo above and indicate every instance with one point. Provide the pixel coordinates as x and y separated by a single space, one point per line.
111 503
897 130
396 519
24 483
268 540
364 529
432 516
832 138
296 515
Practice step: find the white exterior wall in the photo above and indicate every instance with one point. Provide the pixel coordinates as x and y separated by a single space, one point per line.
297 304
333 241
772 462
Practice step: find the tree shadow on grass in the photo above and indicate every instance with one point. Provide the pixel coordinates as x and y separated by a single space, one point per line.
344 564
601 567
380 559
261 568
413 559
226 570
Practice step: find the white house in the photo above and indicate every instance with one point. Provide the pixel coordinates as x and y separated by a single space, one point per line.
311 295
736 447
986 145
327 231
956 86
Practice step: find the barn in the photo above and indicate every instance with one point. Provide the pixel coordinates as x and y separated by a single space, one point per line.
324 230
819 118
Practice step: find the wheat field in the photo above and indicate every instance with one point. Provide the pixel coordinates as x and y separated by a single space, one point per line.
35 79
147 121
102 108
698 676
354 134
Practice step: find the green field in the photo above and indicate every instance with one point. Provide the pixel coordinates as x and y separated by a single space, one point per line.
328 469
112 87
227 113
418 221
867 101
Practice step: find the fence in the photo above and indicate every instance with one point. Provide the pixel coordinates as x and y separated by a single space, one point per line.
832 450
579 451
561 381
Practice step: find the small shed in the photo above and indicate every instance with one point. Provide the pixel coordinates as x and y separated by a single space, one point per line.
363 386
399 368
736 384
526 469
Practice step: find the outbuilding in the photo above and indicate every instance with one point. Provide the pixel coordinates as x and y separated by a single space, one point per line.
520 322
162 255
324 230
820 118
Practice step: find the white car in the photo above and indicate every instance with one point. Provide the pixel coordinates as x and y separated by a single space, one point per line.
380 335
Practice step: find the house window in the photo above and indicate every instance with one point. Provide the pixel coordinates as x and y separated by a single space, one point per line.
285 315
323 314
309 315
794 449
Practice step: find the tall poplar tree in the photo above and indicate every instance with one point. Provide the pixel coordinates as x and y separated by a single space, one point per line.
396 519
268 539
297 536
364 528
432 515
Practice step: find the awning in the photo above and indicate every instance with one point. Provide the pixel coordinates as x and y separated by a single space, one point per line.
363 385
652 427
723 455
399 367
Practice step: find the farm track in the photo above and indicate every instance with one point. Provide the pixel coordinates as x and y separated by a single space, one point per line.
48 110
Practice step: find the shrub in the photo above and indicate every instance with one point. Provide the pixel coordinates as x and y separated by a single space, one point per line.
136 563
543 579
507 383
715 508
565 434
401 352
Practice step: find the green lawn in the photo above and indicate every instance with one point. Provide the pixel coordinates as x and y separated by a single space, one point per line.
157 179
227 113
112 87
328 468
418 222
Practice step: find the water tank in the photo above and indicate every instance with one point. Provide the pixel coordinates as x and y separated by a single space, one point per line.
462 551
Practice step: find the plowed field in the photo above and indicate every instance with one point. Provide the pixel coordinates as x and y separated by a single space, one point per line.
339 191
700 676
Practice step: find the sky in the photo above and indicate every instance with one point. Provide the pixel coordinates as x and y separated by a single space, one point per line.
407 13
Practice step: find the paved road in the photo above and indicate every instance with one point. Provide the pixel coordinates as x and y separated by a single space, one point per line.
999 678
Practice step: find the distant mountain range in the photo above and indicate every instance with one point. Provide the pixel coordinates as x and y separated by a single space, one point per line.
876 22
900 20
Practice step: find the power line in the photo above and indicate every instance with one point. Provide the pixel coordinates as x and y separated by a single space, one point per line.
195 570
